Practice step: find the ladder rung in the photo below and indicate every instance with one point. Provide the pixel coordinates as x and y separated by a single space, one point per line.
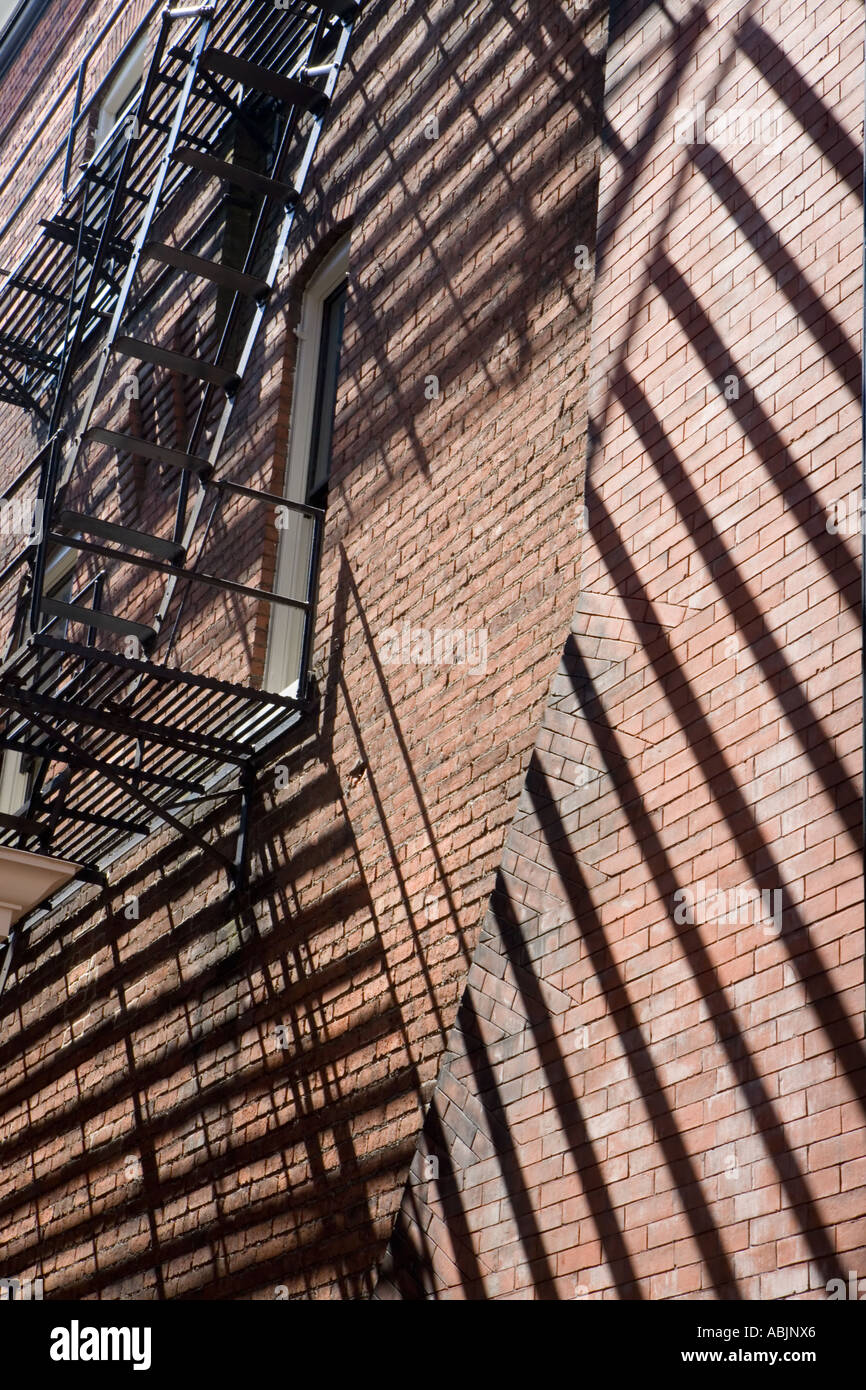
274 189
91 617
175 361
224 275
64 811
23 351
142 448
286 89
153 124
123 535
21 282
93 177
66 230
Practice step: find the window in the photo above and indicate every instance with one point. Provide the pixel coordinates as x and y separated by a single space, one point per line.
122 90
17 770
7 13
333 310
309 461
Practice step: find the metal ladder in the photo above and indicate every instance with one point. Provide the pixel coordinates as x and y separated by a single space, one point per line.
123 721
206 66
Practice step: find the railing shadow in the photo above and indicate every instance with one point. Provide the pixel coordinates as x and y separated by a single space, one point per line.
606 1168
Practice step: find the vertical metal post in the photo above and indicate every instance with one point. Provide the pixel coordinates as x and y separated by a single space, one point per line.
304 681
182 532
185 526
73 128
7 959
241 870
71 350
144 226
98 586
47 486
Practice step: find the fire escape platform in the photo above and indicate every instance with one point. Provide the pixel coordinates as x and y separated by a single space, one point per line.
130 742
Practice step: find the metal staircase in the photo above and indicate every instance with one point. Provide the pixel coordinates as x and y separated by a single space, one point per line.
120 733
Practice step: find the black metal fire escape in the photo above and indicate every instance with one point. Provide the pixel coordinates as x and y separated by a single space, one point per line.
120 741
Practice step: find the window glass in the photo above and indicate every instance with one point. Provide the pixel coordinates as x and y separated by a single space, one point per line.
122 91
333 312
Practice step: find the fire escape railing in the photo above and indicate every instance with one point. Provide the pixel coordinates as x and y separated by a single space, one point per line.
119 742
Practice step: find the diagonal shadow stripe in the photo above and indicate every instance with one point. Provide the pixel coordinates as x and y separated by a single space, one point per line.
400 738
825 329
404 1263
813 114
683 42
679 1162
788 476
471 1274
510 1167
559 1086
720 1011
804 721
724 788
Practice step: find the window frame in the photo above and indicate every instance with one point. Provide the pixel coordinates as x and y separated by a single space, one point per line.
122 85
286 626
322 427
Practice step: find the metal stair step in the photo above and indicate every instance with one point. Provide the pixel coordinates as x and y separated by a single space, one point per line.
143 448
224 275
175 361
93 177
23 351
90 617
66 230
248 179
286 89
123 535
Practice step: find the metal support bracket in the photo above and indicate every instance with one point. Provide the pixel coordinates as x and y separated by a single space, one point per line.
241 867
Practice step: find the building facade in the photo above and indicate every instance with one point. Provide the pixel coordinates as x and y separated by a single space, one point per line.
437 640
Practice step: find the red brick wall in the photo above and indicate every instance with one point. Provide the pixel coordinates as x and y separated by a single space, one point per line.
37 102
637 1101
156 1137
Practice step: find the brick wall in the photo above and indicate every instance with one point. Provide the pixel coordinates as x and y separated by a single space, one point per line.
654 1088
161 1135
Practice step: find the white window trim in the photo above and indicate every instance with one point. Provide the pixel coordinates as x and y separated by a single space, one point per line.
286 627
13 782
126 77
8 11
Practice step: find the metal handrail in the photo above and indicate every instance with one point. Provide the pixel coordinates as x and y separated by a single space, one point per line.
230 25
179 738
55 106
29 468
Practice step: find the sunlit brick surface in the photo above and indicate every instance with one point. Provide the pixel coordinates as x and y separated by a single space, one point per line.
158 1136
655 1086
